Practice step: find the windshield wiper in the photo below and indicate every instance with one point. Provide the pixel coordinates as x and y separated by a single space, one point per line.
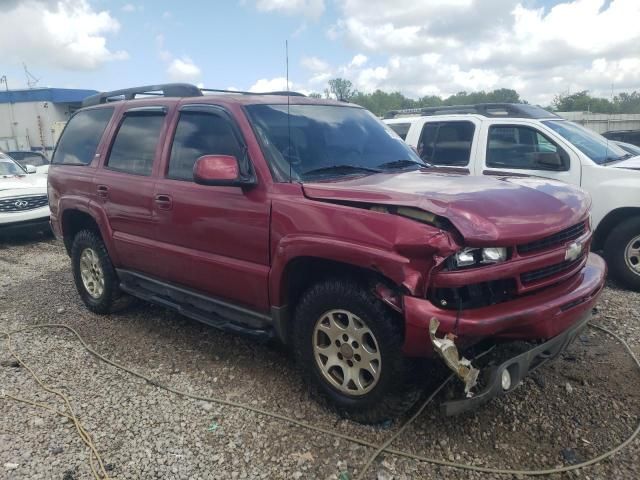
609 160
345 168
401 164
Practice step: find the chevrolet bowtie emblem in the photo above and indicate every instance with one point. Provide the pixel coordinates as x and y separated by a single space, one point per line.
574 250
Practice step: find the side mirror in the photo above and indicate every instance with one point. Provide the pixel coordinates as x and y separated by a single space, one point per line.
30 169
548 160
222 170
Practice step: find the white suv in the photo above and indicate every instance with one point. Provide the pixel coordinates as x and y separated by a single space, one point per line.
23 197
499 139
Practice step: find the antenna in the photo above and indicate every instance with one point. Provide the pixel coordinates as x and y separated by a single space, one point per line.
32 81
286 54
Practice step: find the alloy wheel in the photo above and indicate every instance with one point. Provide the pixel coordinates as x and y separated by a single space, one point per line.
346 352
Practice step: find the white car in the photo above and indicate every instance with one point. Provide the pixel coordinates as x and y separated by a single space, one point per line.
499 139
27 157
23 197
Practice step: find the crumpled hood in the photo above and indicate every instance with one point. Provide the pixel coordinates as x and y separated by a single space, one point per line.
497 211
34 183
632 163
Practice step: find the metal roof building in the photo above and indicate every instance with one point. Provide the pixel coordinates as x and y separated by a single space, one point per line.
32 119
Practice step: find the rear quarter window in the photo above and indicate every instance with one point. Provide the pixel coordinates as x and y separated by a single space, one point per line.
81 137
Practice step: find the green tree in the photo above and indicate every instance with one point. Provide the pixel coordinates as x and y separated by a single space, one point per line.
582 102
340 89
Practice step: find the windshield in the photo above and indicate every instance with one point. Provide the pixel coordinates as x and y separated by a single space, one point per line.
9 168
593 145
29 158
328 141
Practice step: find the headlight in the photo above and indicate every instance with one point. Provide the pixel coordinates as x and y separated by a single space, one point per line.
479 256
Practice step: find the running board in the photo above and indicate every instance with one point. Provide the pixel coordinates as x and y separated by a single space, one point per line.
212 311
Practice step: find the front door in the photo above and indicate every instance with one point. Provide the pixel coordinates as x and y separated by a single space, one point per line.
523 149
214 239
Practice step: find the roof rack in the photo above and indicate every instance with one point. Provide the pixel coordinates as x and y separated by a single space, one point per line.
514 110
167 90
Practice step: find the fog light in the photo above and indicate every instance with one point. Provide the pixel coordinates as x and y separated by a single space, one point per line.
506 379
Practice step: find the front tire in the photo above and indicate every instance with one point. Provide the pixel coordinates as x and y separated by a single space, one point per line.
349 346
622 252
95 278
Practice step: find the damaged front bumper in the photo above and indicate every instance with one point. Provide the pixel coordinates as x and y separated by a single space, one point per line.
542 315
517 368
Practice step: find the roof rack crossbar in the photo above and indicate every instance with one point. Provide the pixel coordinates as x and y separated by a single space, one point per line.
242 92
165 90
517 110
168 90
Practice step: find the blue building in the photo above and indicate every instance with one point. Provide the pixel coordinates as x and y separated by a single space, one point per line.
33 119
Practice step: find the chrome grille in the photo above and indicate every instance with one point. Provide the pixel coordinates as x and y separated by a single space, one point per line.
21 204
554 240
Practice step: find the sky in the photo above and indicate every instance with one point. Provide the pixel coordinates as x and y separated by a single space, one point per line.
429 47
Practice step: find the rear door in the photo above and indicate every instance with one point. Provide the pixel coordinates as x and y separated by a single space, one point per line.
214 239
446 143
125 185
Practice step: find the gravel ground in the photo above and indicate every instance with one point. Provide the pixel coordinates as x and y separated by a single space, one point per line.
568 411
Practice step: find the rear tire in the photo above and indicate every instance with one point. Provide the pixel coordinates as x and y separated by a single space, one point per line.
95 278
622 252
349 347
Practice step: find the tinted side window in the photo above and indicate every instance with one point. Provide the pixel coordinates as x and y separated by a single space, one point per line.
447 143
134 148
400 128
80 139
511 146
199 134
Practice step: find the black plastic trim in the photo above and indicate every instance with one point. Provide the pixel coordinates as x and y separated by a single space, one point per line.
198 306
518 366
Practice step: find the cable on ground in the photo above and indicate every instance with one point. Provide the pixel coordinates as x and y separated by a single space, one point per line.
101 474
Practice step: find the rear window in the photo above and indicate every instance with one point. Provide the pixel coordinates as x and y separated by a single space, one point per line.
134 148
400 128
81 137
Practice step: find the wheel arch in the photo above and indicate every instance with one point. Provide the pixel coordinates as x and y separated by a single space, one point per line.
610 221
302 272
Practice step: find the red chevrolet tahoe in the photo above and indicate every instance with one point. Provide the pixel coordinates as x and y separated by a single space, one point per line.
309 221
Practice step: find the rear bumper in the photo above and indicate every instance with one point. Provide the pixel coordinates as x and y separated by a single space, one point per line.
518 367
538 316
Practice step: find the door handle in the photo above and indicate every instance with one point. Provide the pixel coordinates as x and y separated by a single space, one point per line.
163 201
103 191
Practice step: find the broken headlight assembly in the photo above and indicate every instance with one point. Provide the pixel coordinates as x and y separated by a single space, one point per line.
475 257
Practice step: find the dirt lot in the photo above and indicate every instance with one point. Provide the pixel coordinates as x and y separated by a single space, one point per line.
571 410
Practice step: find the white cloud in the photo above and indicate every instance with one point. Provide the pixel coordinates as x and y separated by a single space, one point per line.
130 8
307 8
314 64
358 61
270 85
183 70
445 46
67 34
179 69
